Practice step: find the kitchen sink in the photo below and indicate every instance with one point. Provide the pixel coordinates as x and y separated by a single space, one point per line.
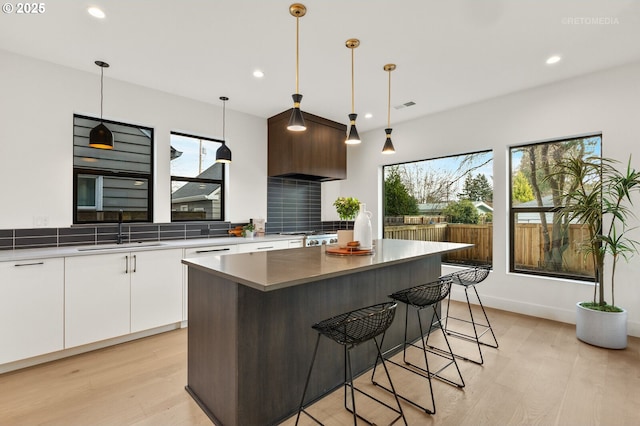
121 246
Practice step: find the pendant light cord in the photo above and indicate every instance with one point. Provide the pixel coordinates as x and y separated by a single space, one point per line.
389 102
352 83
224 119
297 51
101 89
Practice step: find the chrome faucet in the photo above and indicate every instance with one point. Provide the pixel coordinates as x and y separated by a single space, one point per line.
120 235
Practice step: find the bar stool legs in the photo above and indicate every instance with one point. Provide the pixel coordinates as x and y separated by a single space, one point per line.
421 297
469 278
349 330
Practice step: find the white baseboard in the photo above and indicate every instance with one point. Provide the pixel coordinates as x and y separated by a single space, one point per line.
567 315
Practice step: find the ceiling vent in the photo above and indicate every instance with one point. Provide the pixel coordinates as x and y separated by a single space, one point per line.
405 105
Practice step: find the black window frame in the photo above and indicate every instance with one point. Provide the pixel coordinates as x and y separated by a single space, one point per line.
120 174
470 263
221 182
513 211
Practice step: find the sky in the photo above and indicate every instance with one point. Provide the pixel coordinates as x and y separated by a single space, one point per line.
187 164
448 166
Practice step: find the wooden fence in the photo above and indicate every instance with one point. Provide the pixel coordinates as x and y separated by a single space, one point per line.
528 243
414 220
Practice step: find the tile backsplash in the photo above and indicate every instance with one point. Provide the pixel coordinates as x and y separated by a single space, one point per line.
293 205
296 205
105 234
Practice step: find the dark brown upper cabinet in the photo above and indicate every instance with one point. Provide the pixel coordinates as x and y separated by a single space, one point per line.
318 153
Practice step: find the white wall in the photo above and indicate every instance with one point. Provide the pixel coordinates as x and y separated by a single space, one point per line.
38 100
604 102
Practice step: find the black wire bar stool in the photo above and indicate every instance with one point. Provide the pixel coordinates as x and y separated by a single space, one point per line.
421 297
469 278
351 329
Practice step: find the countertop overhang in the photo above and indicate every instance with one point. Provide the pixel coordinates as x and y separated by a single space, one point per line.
274 270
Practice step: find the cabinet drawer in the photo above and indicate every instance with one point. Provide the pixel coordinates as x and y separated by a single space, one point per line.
263 246
210 250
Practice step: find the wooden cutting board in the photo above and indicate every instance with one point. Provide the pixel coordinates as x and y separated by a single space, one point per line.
346 251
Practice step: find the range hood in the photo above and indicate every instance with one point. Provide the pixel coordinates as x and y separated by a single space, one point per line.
318 153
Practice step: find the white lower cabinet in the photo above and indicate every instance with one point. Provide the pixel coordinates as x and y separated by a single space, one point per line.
110 295
31 308
51 304
97 298
156 289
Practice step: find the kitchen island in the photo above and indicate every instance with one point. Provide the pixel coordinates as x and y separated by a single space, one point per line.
250 317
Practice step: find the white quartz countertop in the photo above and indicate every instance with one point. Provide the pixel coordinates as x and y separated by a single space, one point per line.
273 270
85 250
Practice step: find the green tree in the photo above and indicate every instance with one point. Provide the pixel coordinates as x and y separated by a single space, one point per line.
477 188
539 165
397 200
521 188
462 211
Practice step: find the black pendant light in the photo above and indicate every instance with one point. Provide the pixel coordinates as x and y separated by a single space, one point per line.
296 122
388 145
223 154
100 136
353 138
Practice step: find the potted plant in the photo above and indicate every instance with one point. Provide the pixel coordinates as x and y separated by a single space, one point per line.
248 230
347 208
601 198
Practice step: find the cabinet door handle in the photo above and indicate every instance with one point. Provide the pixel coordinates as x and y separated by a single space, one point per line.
135 263
212 250
28 264
126 264
264 248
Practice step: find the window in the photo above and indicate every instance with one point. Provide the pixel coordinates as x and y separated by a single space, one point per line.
443 199
90 192
197 181
541 243
107 181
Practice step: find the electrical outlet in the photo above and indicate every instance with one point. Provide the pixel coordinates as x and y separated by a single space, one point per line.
40 221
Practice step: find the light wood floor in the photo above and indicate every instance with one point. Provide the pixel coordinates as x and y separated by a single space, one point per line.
540 375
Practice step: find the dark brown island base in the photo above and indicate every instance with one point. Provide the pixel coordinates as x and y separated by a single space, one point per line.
250 317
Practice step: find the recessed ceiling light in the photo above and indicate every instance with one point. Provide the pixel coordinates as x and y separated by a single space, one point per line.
368 115
258 74
553 59
96 12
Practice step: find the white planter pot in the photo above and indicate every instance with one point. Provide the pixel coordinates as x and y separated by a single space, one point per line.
604 329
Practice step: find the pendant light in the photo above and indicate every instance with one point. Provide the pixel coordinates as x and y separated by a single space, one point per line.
223 154
388 145
100 136
296 122
353 137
